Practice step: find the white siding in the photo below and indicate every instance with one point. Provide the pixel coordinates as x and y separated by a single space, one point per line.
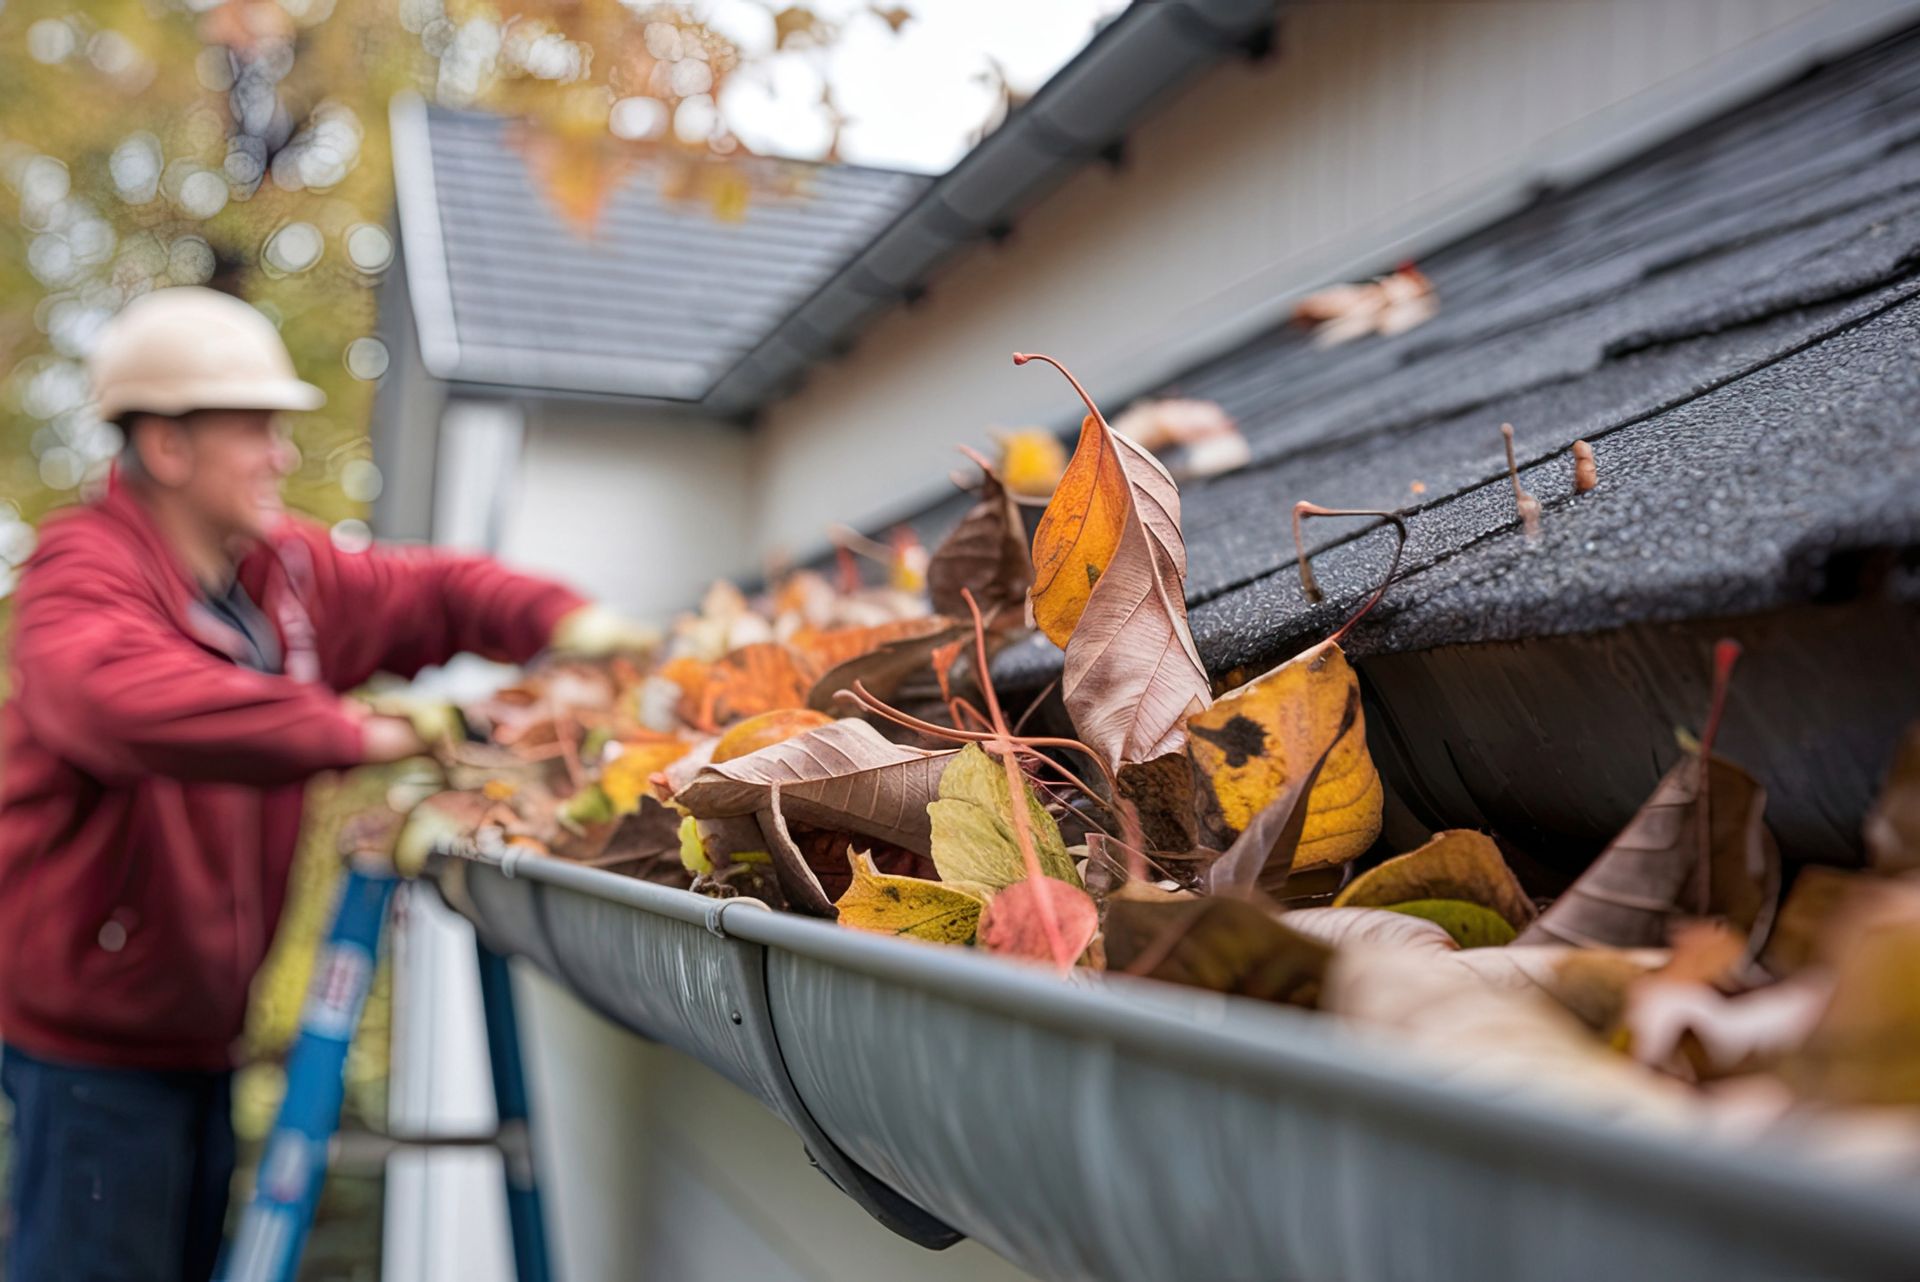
1378 128
640 511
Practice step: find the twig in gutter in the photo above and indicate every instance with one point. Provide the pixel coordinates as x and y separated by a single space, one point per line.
1586 474
1529 506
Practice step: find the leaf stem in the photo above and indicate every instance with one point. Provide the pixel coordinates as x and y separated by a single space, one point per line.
1021 358
1312 587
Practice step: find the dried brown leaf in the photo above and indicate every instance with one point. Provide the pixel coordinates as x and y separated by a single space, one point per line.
843 776
796 876
1650 875
986 554
884 670
1223 944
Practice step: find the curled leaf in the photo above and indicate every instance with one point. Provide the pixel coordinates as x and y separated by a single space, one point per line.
1254 740
1080 532
986 554
1132 675
1459 864
798 882
1110 568
942 912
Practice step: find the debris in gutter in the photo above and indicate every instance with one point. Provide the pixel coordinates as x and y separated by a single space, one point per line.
1387 305
842 752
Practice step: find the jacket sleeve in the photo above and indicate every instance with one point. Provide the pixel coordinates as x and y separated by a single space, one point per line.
402 609
107 680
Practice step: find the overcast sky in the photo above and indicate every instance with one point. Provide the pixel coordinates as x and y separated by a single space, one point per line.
912 98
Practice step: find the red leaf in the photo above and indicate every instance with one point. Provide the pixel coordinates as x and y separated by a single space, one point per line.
1015 921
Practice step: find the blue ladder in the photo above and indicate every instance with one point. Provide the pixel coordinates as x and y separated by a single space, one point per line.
274 1229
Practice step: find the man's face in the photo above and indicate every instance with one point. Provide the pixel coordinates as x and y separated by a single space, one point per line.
226 464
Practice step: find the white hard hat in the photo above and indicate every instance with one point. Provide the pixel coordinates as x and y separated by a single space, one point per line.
187 348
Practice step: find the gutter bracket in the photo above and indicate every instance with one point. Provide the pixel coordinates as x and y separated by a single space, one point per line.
717 912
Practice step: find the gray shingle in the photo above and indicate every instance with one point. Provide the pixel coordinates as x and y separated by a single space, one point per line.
1730 319
663 297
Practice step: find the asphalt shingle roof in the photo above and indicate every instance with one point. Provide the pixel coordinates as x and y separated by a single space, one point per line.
1731 321
663 297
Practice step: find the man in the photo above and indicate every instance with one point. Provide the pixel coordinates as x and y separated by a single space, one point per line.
179 653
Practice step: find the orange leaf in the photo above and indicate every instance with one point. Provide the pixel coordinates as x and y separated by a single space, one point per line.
1080 532
834 646
763 677
765 730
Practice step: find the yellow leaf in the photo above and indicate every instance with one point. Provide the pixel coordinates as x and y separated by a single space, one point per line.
693 851
1253 739
973 836
729 194
1471 925
1456 865
1031 461
941 911
1080 532
626 778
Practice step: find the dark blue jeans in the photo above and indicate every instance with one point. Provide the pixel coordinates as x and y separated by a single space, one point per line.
119 1175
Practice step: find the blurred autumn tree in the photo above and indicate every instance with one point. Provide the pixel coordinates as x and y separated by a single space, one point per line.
242 143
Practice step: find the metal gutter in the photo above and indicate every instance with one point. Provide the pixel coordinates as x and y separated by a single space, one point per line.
1112 1128
1148 52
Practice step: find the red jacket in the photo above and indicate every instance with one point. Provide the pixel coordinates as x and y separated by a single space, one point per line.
152 787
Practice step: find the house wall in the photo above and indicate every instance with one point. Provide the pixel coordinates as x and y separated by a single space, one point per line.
641 510
1377 129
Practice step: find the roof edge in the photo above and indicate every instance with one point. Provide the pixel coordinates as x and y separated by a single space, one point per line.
1150 50
422 248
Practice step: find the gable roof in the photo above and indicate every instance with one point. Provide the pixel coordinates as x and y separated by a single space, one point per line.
658 302
1729 319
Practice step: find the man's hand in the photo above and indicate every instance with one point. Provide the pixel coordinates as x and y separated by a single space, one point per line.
593 632
385 739
437 722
